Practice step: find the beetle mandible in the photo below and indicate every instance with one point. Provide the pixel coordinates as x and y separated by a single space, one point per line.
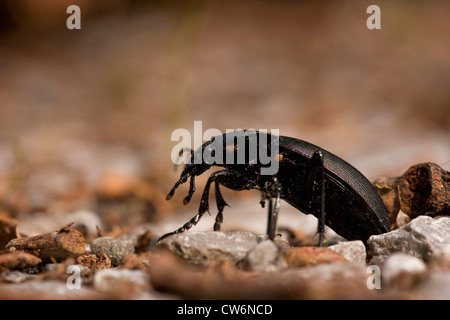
309 178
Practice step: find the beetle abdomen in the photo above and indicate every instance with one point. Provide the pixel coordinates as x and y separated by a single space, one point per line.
353 207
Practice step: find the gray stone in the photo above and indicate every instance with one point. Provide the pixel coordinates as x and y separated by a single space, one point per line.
424 237
204 247
265 256
353 251
115 249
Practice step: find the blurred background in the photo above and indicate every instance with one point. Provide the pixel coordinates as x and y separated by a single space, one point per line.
86 115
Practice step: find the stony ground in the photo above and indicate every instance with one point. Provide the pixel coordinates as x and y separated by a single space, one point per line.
78 261
86 119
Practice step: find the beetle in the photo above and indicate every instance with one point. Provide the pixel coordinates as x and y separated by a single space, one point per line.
310 178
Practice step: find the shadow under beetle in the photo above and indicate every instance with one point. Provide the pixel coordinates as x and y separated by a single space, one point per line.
309 178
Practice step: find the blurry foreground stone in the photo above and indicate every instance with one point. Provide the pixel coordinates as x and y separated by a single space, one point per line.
121 279
402 270
170 273
48 290
265 256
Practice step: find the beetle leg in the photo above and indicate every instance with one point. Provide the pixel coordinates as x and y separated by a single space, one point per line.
274 209
182 180
220 206
185 227
316 169
263 200
226 178
188 198
270 224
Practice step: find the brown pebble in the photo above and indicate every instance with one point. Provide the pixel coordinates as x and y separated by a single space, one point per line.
308 256
58 245
99 261
18 260
8 231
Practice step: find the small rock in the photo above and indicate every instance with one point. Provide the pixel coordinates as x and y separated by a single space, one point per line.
115 249
203 247
18 260
265 256
118 279
424 189
58 245
353 251
281 242
8 230
138 262
402 219
308 256
99 261
402 269
424 237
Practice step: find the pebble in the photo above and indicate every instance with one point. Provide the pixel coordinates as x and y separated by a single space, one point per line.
203 247
266 256
424 237
309 256
401 265
97 261
115 249
353 251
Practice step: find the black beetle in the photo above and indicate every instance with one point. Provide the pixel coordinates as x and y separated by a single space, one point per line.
309 178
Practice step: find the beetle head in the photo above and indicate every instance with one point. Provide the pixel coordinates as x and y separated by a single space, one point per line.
195 167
